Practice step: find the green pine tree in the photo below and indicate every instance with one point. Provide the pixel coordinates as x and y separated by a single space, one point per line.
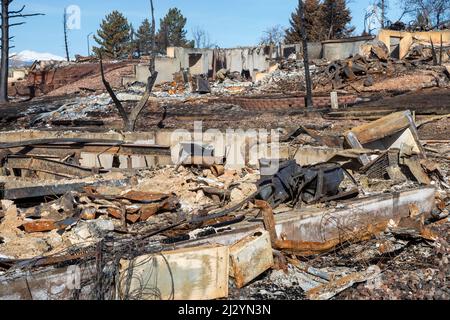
327 19
337 17
314 20
144 37
114 36
172 31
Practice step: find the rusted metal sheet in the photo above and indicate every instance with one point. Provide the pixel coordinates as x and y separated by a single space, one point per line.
144 197
357 221
250 257
311 231
39 226
199 273
47 225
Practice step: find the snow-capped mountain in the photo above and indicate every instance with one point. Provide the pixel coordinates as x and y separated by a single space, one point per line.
27 57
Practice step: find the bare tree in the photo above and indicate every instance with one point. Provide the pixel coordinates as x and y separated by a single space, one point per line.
383 5
273 36
5 47
431 13
371 19
129 119
202 39
66 44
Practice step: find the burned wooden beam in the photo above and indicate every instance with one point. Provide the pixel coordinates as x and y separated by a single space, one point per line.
57 141
35 191
56 168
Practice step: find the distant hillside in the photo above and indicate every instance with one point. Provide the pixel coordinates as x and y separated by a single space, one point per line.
27 57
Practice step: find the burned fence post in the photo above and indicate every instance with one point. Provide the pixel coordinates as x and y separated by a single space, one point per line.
304 37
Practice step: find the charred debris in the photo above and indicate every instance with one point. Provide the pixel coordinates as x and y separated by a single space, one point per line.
94 188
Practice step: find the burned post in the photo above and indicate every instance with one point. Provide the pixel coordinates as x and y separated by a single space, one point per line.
66 43
153 31
308 99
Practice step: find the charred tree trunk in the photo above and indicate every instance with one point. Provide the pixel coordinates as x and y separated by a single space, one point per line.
308 100
130 119
4 64
5 25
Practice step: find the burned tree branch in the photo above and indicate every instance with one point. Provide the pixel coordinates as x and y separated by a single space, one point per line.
26 15
15 24
143 102
113 96
131 118
150 81
433 51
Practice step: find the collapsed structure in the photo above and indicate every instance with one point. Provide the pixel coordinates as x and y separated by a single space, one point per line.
336 206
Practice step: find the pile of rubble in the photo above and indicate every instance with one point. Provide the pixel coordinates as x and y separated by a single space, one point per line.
339 217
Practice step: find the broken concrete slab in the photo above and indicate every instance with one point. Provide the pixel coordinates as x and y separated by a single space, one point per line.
187 274
386 133
332 288
250 257
49 284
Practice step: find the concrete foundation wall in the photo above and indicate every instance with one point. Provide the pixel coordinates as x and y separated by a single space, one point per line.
407 38
343 49
254 59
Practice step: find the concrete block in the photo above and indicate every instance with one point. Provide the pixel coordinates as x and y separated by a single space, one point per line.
199 273
250 257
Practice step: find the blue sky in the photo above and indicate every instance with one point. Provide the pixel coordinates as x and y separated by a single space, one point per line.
230 23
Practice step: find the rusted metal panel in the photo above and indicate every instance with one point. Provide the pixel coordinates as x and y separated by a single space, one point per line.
144 197
357 221
39 226
250 257
188 274
312 230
